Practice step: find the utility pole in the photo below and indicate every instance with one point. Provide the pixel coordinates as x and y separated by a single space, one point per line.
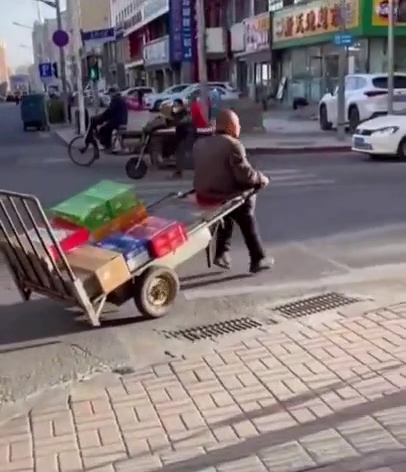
201 54
391 55
62 61
342 69
78 61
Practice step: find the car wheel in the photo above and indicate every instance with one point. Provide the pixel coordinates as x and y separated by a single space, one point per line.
402 149
353 118
157 105
325 125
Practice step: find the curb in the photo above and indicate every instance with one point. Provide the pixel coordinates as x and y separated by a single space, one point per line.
263 151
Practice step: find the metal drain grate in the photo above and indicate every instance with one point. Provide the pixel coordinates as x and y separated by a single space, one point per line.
312 305
214 330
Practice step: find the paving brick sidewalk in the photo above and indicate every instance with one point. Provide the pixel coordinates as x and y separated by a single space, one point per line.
309 396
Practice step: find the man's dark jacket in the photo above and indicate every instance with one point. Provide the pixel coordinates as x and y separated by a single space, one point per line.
117 112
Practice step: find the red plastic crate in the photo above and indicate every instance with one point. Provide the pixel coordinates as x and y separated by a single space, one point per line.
164 236
67 234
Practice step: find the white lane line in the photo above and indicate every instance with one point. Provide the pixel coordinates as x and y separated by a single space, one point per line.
304 183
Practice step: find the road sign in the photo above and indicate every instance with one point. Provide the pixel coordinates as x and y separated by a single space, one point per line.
60 38
343 39
45 70
103 35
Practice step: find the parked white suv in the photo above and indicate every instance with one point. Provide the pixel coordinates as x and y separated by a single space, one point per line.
366 97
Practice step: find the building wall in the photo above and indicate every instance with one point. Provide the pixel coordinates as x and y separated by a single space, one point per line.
3 64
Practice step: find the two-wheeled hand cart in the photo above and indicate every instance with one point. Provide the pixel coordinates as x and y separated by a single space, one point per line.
26 236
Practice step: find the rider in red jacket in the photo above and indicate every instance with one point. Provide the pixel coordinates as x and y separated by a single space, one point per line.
197 113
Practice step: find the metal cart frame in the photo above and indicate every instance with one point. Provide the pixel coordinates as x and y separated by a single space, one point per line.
36 270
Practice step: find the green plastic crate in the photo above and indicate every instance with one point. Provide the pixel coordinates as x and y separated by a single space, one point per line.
119 197
83 210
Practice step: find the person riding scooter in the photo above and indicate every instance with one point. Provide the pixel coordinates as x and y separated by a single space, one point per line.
113 118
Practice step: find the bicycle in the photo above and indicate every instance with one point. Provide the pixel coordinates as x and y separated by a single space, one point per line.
84 150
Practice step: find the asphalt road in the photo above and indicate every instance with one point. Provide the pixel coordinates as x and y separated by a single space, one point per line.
326 219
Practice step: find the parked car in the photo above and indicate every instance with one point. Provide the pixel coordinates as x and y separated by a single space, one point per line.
190 92
154 101
225 85
366 97
382 136
133 91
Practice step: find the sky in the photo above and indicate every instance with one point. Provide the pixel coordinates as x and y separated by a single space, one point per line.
18 40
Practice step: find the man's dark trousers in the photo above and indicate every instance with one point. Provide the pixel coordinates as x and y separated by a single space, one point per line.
244 216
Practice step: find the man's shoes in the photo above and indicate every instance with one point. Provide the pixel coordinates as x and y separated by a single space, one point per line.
261 265
177 175
224 261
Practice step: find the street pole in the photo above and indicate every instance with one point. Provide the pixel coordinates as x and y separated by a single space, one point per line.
62 61
201 55
391 55
342 68
79 78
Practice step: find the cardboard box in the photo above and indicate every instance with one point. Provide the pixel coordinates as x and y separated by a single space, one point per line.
83 210
119 198
105 270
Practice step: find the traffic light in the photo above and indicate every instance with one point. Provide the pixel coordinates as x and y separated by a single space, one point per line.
93 68
55 69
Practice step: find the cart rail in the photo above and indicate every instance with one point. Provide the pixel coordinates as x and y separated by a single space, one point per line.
25 240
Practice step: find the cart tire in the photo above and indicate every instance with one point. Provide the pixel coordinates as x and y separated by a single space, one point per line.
136 168
156 291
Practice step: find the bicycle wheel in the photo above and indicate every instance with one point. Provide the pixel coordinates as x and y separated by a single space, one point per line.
81 154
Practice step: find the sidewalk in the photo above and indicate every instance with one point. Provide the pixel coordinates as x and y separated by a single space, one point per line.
322 393
282 135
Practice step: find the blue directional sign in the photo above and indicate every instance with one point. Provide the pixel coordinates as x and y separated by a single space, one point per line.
45 70
102 35
343 39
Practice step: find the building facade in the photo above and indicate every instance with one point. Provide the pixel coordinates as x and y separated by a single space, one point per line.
94 15
306 56
44 49
158 43
4 71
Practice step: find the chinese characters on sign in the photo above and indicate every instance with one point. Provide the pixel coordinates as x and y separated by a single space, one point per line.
380 12
301 22
257 33
182 30
187 30
175 31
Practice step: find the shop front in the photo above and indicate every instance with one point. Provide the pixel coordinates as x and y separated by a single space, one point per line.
250 42
305 50
157 63
375 27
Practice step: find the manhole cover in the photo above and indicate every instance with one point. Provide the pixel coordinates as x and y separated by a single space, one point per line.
214 330
317 304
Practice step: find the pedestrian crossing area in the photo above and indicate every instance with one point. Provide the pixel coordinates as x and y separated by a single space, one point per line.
280 179
155 183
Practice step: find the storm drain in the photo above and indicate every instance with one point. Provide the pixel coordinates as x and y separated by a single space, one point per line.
312 305
214 330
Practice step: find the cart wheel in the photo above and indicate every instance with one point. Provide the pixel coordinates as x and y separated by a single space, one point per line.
156 291
136 168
